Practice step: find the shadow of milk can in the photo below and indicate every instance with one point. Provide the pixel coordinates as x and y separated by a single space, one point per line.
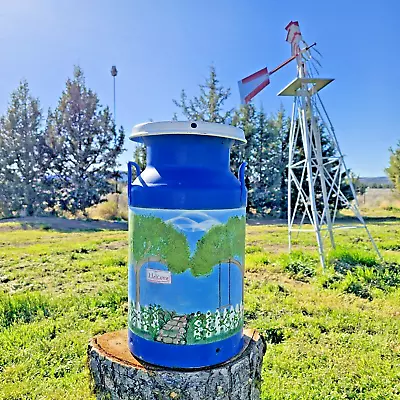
187 214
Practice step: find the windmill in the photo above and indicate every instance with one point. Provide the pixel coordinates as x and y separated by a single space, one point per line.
319 180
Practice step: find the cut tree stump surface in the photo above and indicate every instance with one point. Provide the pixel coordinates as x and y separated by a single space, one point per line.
118 375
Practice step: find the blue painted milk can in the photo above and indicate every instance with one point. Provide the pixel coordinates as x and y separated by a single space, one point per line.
187 214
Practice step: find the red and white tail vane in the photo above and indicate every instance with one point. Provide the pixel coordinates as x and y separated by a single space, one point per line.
294 36
253 84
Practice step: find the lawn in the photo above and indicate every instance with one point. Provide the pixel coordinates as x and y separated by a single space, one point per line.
332 334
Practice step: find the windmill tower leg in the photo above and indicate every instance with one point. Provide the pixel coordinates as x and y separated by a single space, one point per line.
307 143
321 172
342 164
292 144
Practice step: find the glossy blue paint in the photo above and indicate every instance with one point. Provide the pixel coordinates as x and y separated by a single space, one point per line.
185 172
194 356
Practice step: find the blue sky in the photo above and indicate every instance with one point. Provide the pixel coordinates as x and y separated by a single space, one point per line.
162 46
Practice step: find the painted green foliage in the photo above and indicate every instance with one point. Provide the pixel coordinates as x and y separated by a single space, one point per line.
220 244
154 240
152 237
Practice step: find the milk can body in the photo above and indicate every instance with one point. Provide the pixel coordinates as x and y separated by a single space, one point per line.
186 246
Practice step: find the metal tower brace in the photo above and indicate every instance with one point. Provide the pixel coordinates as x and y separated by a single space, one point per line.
305 93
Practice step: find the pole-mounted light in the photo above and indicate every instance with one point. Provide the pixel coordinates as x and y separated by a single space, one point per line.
114 73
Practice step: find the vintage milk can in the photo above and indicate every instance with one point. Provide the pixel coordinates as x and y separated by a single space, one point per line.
187 215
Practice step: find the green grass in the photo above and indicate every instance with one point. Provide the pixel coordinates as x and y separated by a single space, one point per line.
332 334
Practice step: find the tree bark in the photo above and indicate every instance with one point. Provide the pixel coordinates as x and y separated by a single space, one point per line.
118 375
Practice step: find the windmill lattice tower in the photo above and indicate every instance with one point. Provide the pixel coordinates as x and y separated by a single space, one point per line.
308 169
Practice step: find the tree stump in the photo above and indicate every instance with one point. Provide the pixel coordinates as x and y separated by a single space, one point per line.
118 375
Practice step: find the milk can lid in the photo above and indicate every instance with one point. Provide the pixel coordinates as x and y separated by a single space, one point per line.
186 127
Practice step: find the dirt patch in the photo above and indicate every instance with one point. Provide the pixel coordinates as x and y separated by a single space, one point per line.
67 225
265 221
113 245
60 224
268 276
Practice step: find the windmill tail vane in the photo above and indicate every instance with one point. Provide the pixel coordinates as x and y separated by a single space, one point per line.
250 86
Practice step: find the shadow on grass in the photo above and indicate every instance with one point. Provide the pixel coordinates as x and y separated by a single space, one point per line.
60 224
340 220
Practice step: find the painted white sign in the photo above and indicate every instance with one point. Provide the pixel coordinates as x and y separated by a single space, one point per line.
158 276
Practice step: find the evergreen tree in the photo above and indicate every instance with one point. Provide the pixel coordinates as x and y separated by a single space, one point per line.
281 123
271 163
246 119
209 106
393 170
85 144
140 156
24 156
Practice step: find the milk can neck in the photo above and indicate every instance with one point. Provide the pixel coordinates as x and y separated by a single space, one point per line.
188 151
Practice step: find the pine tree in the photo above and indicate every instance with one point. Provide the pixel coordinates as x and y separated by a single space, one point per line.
140 156
260 170
393 170
269 163
266 151
209 106
85 144
281 124
24 156
245 118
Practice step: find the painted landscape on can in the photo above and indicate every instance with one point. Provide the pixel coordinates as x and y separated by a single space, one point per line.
186 274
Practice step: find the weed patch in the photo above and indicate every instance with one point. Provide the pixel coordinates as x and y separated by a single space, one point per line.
360 273
300 266
22 308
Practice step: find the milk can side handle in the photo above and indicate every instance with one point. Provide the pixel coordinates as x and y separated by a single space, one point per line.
138 172
243 191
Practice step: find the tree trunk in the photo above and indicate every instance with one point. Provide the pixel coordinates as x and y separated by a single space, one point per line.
119 376
229 282
234 262
219 286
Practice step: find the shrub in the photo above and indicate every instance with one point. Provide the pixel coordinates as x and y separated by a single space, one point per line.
114 207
